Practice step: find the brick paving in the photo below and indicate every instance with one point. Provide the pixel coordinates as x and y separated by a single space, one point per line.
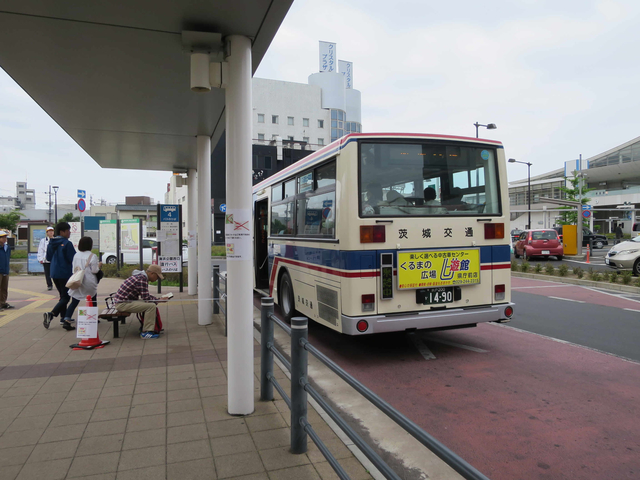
137 409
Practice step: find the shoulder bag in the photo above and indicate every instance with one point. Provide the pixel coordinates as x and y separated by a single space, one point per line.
75 281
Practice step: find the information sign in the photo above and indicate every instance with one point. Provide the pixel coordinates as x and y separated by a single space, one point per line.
170 264
76 234
170 228
130 236
108 235
82 194
438 268
87 325
33 265
238 234
36 233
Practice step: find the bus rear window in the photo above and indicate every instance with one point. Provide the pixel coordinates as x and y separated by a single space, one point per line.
403 179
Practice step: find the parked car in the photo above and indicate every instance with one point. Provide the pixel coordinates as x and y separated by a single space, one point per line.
148 244
625 256
538 243
599 241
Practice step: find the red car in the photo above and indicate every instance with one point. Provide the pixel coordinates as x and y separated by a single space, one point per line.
538 243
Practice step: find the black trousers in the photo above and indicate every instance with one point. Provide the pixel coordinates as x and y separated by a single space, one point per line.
47 273
75 302
61 306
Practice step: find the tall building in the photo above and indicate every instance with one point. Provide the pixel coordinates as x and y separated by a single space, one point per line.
25 199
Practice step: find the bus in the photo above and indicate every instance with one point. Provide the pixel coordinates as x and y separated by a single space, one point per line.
388 232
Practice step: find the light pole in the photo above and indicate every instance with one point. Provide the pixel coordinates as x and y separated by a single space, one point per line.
49 204
55 190
528 164
488 126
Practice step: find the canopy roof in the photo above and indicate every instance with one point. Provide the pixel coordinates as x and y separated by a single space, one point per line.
115 76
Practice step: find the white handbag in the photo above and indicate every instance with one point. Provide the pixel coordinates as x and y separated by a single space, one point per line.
75 281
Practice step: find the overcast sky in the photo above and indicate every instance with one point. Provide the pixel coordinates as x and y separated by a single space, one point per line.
559 79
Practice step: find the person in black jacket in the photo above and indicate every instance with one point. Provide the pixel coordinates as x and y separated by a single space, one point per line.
5 257
60 253
619 234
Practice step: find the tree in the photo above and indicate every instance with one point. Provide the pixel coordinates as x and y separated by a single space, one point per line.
573 194
9 221
68 217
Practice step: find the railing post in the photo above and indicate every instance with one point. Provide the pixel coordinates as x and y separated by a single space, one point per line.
299 331
266 356
216 289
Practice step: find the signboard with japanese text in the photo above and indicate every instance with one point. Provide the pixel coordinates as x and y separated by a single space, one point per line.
238 234
108 232
170 228
87 325
346 68
170 264
328 57
130 236
76 233
438 268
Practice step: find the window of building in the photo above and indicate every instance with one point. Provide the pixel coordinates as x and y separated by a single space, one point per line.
320 123
267 163
305 122
261 136
261 118
305 139
274 119
290 138
289 120
321 141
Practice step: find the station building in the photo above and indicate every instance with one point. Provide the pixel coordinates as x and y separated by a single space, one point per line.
614 176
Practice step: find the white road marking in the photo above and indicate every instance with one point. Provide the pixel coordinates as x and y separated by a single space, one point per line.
612 294
567 299
558 285
459 345
631 310
422 348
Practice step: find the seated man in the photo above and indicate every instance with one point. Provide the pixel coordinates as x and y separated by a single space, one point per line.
133 297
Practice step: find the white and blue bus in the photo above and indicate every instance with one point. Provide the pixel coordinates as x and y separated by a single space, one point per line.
388 232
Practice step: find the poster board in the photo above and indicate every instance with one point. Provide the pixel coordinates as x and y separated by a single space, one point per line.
87 325
33 265
108 236
36 233
76 233
169 232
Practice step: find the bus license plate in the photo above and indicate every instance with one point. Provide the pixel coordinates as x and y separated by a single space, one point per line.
435 296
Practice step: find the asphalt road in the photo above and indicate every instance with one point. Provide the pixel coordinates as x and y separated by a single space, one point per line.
518 405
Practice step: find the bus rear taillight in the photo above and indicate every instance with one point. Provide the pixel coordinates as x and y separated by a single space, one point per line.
508 312
368 303
362 326
493 230
500 292
372 234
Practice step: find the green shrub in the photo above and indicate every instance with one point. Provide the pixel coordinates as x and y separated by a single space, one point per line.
593 275
19 254
578 272
218 251
563 270
606 277
549 270
525 266
627 277
614 277
515 266
15 267
638 282
537 268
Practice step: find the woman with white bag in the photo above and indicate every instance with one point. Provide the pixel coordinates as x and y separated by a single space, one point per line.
88 263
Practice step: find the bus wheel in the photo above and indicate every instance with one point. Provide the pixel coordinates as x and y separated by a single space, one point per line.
287 300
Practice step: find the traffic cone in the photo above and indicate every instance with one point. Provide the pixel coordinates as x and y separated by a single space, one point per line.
588 253
90 343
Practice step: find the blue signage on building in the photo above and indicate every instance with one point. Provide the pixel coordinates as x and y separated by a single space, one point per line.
223 207
169 213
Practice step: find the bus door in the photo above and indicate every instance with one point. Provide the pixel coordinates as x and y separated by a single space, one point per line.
261 245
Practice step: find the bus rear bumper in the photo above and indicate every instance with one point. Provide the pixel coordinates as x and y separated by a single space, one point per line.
424 320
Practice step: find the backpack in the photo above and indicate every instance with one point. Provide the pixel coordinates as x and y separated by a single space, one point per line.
158 327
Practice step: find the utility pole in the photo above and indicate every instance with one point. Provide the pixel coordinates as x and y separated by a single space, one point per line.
49 203
579 222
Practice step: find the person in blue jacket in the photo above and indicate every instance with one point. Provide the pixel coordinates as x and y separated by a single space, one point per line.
5 257
60 253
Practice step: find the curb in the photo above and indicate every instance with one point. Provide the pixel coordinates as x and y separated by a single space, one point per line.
577 281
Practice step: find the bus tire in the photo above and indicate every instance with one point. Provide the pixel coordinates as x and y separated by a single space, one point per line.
287 300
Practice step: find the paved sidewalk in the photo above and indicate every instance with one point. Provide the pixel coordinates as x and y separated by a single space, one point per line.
137 409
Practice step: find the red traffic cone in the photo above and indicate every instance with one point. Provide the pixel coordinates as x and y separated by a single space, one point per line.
90 343
588 253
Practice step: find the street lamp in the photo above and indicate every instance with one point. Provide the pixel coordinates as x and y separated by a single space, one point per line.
55 190
528 164
488 126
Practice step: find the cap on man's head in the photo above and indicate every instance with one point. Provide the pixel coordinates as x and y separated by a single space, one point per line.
3 233
157 270
50 228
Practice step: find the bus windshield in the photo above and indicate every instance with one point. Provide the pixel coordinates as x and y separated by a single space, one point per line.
428 179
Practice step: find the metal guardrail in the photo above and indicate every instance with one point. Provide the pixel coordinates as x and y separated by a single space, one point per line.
220 294
300 386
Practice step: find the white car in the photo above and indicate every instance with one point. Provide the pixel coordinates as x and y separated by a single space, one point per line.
148 244
625 256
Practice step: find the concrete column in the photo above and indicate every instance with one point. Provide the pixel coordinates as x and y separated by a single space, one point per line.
205 284
240 264
192 221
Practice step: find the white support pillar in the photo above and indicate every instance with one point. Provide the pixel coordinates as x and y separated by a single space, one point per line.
192 221
240 264
205 283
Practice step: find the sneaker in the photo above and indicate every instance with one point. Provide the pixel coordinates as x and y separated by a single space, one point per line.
68 326
48 316
49 287
6 306
148 335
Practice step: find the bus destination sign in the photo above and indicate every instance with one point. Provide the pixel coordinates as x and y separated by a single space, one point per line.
438 268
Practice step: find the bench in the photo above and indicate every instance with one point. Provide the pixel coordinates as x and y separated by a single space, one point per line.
112 315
